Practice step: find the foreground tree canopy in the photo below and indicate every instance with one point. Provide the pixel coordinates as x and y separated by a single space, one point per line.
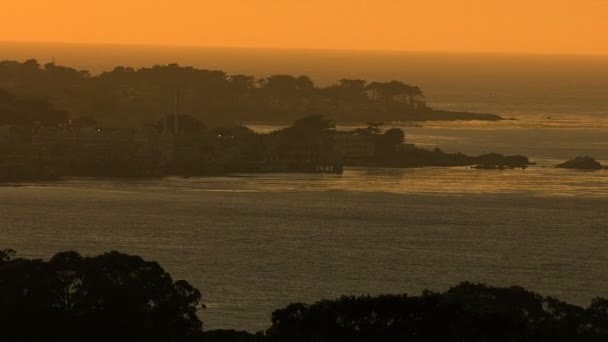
467 312
127 95
118 297
110 297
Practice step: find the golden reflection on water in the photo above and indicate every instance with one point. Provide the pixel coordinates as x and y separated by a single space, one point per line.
537 181
533 181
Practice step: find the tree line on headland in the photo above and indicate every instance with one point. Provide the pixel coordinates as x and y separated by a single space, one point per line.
127 95
119 297
180 145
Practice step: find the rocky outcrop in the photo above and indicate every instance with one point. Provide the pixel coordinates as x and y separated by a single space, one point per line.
582 163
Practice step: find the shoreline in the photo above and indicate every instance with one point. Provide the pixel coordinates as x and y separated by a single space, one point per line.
451 116
18 183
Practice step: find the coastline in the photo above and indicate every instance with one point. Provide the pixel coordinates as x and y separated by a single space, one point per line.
413 118
488 162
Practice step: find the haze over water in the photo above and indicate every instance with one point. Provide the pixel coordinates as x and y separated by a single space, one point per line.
499 83
253 243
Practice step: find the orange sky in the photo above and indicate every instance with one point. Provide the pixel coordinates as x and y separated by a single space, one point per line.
543 26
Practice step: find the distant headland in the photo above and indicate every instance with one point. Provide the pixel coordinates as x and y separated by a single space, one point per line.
180 145
56 121
126 95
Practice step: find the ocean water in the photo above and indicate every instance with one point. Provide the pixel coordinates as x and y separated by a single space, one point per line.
254 243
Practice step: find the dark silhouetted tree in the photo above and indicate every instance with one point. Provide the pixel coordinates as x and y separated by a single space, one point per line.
467 312
110 297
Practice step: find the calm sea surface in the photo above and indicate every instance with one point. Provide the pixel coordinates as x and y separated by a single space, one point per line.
254 243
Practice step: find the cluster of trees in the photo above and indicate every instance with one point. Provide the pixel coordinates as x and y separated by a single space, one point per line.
28 112
466 312
309 138
118 297
110 297
385 140
127 95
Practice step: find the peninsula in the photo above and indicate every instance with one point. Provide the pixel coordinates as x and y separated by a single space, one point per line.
126 96
180 145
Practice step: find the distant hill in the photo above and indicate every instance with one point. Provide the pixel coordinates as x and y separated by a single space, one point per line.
127 95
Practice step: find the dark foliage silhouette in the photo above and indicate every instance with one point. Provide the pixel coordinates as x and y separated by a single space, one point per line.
467 312
111 297
28 112
127 95
118 297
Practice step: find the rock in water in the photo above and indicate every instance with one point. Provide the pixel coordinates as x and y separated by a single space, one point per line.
582 163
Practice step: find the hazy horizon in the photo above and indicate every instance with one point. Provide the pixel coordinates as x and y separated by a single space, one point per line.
168 45
463 81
